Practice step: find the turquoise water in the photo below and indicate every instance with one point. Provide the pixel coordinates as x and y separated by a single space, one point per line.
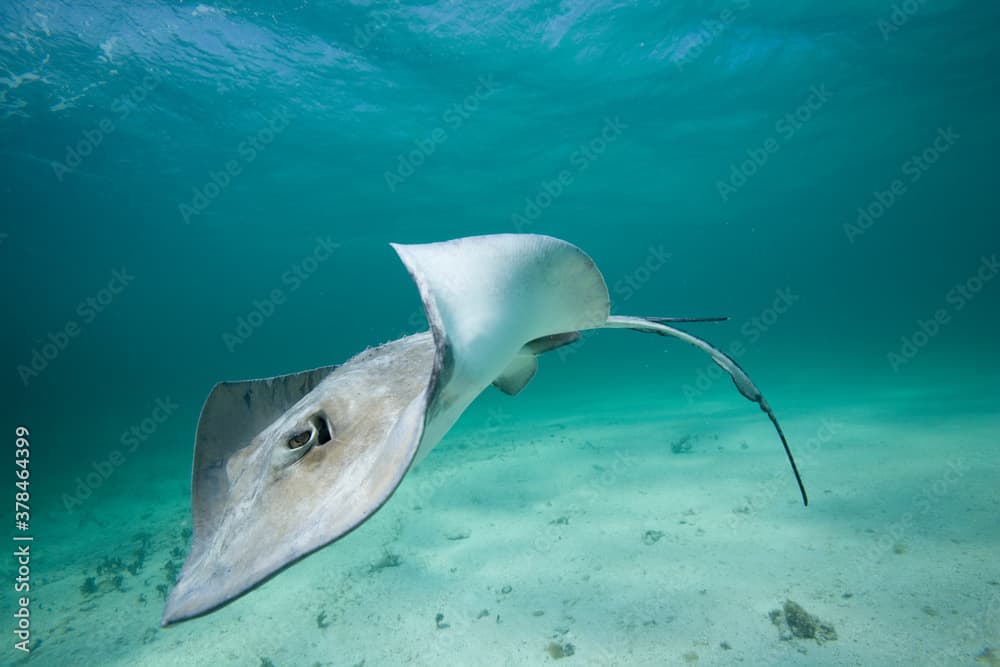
205 192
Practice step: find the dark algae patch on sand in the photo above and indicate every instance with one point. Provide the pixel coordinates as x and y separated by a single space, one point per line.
559 650
988 657
794 622
388 560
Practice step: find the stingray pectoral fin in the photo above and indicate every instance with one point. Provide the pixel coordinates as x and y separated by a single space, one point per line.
523 367
272 488
232 415
486 298
549 343
517 374
740 378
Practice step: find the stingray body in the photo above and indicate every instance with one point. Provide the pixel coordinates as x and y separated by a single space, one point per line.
284 466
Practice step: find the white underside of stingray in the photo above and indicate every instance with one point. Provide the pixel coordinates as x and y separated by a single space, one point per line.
284 466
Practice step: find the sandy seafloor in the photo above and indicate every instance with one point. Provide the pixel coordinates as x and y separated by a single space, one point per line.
534 526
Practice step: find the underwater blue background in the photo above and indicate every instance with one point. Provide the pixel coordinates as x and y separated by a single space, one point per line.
822 173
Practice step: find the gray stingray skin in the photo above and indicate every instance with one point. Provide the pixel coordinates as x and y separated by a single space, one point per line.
286 465
334 488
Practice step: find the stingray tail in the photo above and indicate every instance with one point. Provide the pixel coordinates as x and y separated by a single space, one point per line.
664 320
740 378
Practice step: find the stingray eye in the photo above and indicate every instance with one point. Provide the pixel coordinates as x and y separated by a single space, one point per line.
299 439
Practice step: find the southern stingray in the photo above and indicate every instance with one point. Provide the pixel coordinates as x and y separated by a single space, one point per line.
286 465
